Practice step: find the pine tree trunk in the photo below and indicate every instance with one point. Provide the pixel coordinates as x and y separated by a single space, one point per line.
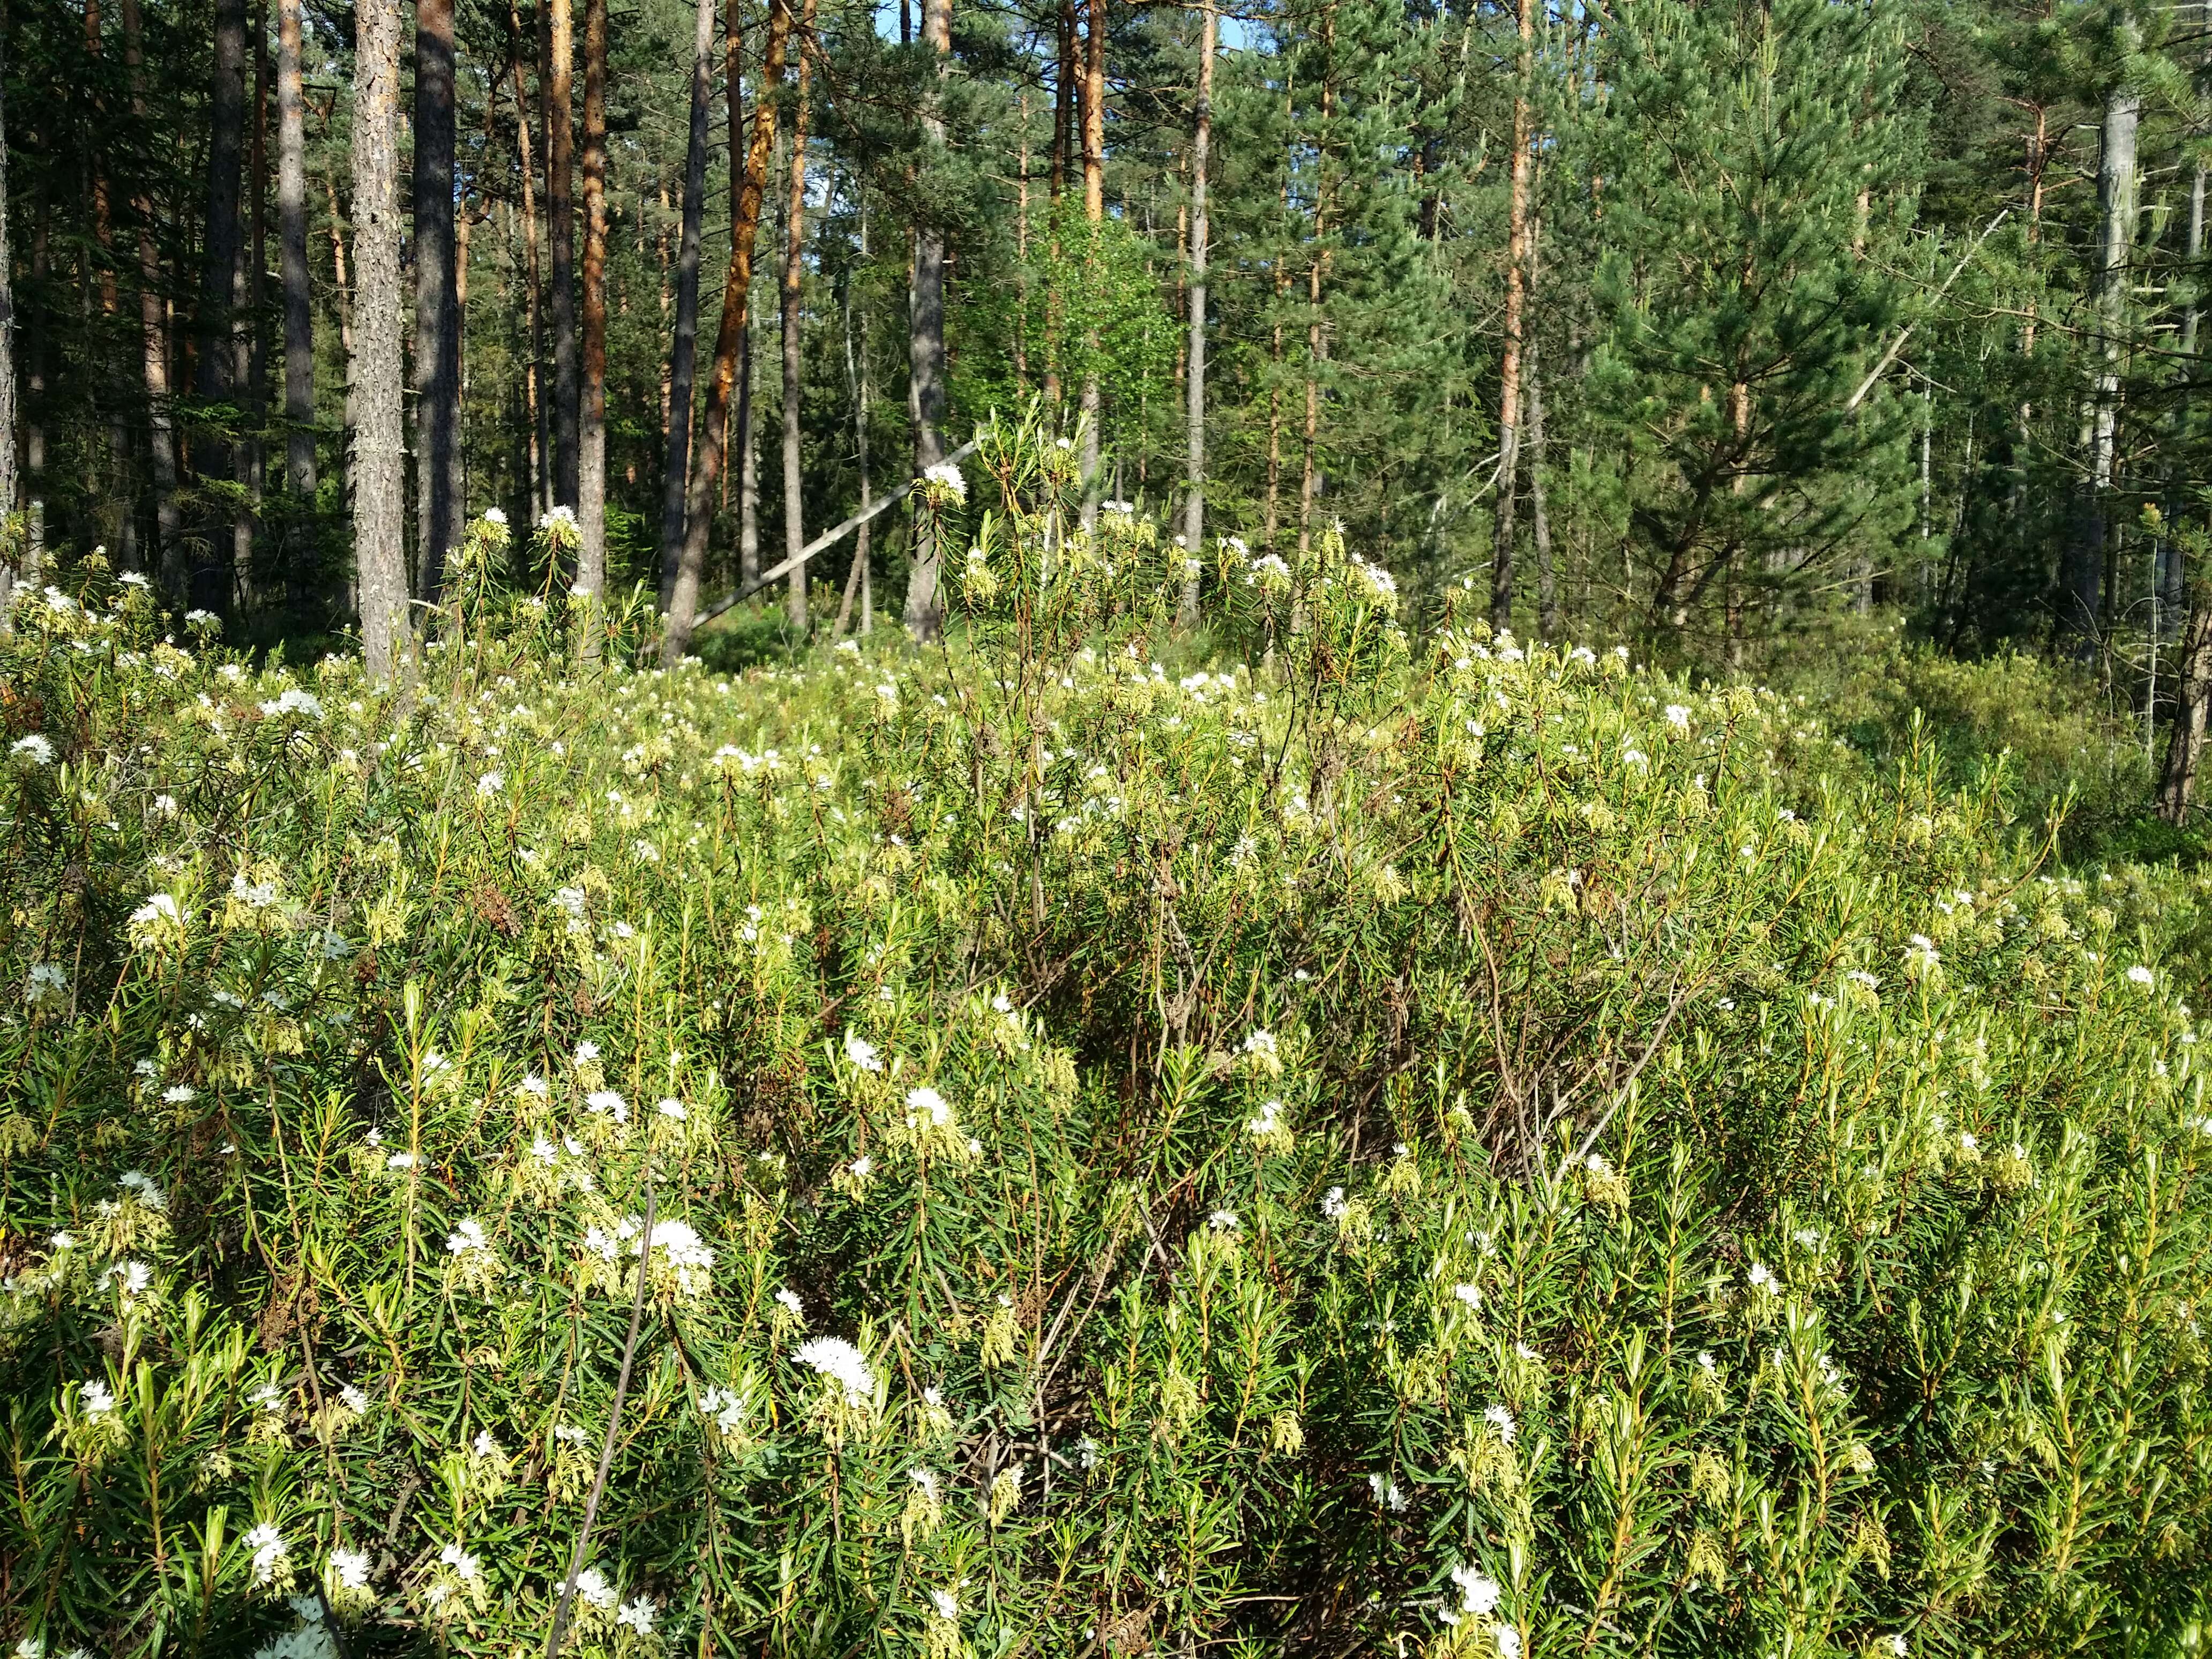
747 440
380 453
122 513
684 354
169 559
1193 512
222 268
560 208
2184 748
926 343
707 465
857 387
533 379
1093 113
8 533
1539 518
2081 610
292 239
437 365
794 241
591 433
250 366
1508 388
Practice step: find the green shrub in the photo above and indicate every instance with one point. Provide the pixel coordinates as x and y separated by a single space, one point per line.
1442 1148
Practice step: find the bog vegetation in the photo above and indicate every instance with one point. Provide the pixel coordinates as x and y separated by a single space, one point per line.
1359 1144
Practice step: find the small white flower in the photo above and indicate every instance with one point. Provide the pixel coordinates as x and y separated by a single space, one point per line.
862 1053
269 1549
672 1108
1332 1203
926 1101
33 748
789 1298
491 784
591 1587
1896 1644
607 1103
1678 717
1968 1142
1502 1420
946 1604
467 1235
353 1400
944 473
1479 1591
465 1565
94 1399
351 1567
1224 1221
1388 1493
1759 1277
1507 1640
843 1364
401 1161
2140 975
1471 1295
639 1615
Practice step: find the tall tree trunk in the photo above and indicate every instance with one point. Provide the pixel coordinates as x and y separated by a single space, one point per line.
437 359
533 379
1093 112
592 434
1193 511
706 464
1516 284
684 354
794 243
1539 518
857 387
560 195
2184 747
169 559
291 238
122 513
926 341
379 454
250 351
2081 611
223 268
747 430
8 537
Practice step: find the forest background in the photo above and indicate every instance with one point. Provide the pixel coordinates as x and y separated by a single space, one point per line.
1742 331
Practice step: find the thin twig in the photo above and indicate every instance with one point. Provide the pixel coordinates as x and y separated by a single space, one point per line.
606 1446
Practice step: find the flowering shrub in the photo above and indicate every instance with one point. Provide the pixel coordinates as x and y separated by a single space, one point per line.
1453 1148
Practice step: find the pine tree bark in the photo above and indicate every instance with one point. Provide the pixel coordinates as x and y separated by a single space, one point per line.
857 387
2184 747
1540 517
561 212
1193 511
380 453
250 348
223 263
122 509
591 433
1092 101
683 357
292 240
707 465
168 553
926 343
1516 284
795 238
2082 609
8 537
533 374
437 359
747 440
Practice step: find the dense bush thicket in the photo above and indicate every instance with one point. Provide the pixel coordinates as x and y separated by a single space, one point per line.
1368 1147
